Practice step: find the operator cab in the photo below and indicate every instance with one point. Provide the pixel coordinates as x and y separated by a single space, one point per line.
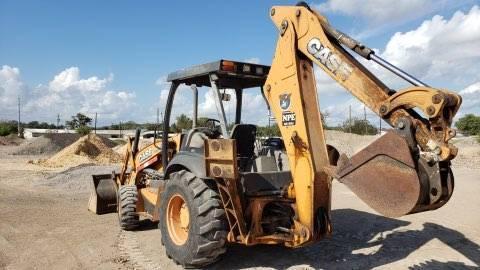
219 76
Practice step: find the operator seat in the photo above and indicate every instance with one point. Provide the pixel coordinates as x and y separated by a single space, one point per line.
194 140
244 136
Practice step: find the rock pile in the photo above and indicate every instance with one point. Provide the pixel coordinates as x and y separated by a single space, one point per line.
46 144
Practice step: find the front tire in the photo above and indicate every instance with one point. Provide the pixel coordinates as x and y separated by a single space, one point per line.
192 221
127 207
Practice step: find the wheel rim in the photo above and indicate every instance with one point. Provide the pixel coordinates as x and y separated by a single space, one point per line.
178 219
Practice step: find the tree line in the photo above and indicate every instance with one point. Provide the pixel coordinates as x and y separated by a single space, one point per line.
82 124
468 125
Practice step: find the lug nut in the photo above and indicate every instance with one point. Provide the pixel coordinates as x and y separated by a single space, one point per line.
437 98
383 109
430 110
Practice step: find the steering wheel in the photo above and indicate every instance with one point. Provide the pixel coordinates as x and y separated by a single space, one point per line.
214 126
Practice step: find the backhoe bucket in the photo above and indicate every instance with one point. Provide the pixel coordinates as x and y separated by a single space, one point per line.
103 195
385 176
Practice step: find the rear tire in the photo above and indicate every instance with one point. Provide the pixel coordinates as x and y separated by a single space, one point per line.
203 240
127 207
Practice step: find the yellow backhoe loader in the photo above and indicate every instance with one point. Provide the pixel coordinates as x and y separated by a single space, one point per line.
208 187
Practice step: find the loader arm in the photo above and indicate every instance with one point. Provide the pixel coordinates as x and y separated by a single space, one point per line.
306 38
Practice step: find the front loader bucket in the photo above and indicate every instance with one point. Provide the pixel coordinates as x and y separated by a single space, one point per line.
385 176
103 195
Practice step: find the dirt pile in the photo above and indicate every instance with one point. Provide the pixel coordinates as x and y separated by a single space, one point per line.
88 149
348 143
46 144
11 139
141 144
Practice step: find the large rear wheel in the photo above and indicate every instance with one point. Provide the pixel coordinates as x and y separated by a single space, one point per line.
192 221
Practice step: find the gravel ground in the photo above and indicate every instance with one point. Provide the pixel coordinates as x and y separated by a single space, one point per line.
76 179
46 144
468 152
45 225
11 139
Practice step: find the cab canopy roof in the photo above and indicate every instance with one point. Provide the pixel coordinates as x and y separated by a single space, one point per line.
228 74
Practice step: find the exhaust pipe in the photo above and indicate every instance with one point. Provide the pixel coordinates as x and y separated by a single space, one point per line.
135 142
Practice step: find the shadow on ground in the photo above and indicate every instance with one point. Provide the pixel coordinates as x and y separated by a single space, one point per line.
355 230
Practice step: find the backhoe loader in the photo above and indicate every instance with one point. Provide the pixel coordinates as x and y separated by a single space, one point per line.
207 187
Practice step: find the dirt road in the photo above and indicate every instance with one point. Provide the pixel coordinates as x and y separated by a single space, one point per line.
44 224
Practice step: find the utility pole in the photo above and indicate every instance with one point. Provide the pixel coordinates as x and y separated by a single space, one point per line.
58 122
18 124
158 116
380 130
350 118
365 119
269 117
95 128
120 129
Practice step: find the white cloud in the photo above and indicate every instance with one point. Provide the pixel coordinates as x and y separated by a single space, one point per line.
440 48
252 60
11 87
442 52
70 78
379 11
254 108
374 17
325 84
471 89
471 99
66 94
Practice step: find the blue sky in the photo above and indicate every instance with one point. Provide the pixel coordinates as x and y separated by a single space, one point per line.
110 56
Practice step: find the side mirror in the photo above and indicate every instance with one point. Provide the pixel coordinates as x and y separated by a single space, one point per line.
225 97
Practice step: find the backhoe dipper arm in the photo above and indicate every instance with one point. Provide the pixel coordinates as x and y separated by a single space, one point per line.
306 38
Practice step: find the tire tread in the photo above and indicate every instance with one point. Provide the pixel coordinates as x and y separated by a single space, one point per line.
127 215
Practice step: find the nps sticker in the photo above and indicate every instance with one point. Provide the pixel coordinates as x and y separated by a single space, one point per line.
288 119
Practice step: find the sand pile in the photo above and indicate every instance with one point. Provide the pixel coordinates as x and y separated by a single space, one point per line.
141 144
46 144
88 149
